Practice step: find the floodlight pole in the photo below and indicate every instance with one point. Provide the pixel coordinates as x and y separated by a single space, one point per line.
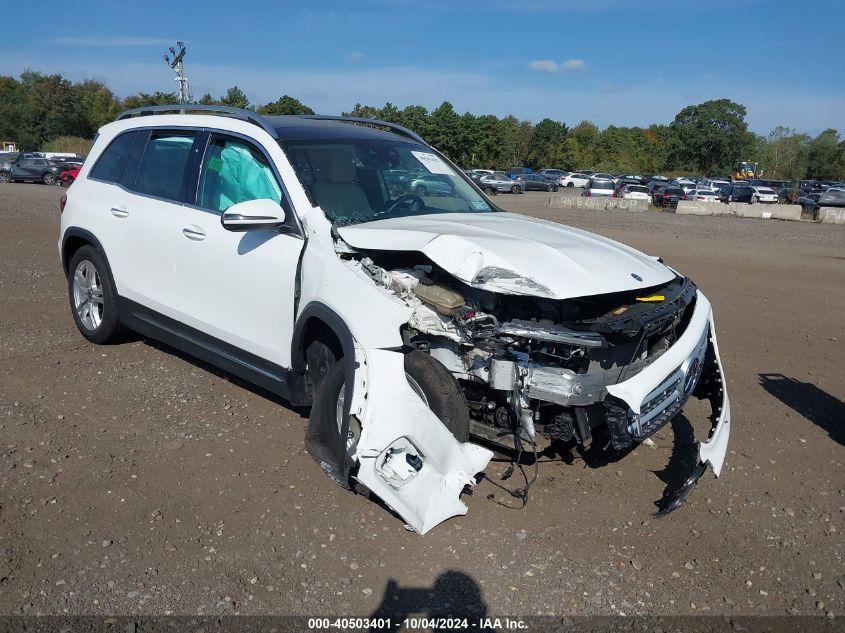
178 65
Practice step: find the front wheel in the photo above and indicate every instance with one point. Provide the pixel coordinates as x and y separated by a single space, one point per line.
420 191
4 177
515 189
93 298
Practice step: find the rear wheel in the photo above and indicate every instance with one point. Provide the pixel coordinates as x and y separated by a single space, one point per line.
551 188
420 190
515 189
4 177
570 184
49 178
93 298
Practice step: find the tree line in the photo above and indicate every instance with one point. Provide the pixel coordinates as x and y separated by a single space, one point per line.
39 111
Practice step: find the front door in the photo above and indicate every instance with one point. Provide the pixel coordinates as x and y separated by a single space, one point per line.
237 287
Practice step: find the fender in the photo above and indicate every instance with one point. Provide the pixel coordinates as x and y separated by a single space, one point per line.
88 236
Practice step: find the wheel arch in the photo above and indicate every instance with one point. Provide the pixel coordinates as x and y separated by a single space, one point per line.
75 238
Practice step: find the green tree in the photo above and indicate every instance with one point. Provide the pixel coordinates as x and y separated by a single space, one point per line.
207 99
546 148
710 135
783 154
235 98
825 160
143 99
285 105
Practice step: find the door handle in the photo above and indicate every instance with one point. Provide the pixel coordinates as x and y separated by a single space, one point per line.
119 212
194 233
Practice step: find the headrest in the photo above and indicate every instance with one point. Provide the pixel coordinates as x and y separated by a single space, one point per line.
333 165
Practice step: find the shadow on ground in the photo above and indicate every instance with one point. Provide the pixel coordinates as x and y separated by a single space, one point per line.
454 595
806 399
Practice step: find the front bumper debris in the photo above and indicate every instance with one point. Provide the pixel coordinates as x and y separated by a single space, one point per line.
691 366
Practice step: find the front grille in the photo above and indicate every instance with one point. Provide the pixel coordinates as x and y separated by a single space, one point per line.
658 409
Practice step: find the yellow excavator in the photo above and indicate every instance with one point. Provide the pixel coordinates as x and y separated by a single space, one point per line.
746 170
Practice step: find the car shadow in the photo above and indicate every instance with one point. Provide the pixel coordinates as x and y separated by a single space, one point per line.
806 399
453 596
253 239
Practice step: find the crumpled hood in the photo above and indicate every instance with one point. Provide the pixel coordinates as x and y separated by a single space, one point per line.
514 254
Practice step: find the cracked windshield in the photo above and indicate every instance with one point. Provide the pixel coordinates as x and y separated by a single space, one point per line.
357 180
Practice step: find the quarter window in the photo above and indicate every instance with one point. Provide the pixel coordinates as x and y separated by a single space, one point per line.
235 171
164 166
109 165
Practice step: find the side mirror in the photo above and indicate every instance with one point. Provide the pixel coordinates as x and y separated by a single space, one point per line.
253 215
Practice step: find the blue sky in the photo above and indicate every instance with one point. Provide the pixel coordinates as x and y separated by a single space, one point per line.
610 61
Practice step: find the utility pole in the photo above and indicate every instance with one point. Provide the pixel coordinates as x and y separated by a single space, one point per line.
176 60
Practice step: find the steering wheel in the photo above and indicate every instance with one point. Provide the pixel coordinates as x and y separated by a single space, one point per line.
411 201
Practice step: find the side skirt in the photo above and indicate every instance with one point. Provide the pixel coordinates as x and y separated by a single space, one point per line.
278 380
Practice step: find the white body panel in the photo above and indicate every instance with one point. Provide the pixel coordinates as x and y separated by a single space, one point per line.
515 254
577 180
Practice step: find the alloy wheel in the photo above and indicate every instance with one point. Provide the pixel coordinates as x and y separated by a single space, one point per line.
88 295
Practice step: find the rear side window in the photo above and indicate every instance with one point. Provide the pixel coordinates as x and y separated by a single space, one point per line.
164 166
109 165
235 171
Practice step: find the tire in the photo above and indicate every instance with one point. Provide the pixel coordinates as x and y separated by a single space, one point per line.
49 178
420 191
4 177
89 279
515 189
570 184
491 191
438 388
551 188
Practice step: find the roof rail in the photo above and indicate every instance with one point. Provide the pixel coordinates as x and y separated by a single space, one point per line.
184 108
395 127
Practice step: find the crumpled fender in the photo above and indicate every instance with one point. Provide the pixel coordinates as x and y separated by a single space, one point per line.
406 456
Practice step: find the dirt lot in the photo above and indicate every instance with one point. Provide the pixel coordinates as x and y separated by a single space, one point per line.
137 481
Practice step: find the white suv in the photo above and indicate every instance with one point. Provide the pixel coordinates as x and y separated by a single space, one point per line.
293 252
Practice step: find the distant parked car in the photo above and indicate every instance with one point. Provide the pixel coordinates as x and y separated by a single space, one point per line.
25 169
575 179
764 194
703 195
655 183
833 197
603 176
513 172
810 203
633 192
686 185
537 182
432 185
69 174
624 181
499 181
598 187
555 175
741 193
667 196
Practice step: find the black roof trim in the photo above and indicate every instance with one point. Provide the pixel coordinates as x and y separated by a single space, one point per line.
393 127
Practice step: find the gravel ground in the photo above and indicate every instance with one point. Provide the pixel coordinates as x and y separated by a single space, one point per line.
138 481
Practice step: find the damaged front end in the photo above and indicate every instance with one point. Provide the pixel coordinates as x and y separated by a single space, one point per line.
533 370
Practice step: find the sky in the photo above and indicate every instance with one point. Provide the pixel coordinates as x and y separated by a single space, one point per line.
614 62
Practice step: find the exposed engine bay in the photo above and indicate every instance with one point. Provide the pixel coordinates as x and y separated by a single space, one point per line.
538 369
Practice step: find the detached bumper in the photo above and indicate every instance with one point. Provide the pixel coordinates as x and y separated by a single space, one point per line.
691 366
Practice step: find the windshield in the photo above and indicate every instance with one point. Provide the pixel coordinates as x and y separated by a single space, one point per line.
361 180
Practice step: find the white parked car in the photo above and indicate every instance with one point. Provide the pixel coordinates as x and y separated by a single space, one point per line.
575 179
686 185
765 194
703 195
714 184
598 187
634 192
410 324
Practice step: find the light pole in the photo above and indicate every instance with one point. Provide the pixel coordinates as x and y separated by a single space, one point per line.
176 61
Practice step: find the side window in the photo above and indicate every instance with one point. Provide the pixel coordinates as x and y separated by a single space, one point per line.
235 171
164 165
109 165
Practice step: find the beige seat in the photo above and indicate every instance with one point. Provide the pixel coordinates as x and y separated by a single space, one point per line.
335 188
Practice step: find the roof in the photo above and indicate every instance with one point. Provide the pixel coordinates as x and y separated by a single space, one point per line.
291 127
300 128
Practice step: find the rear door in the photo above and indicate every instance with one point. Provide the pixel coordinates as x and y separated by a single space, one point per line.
237 287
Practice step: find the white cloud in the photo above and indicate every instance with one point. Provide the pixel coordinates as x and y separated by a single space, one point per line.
121 40
355 56
549 66
573 64
544 66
